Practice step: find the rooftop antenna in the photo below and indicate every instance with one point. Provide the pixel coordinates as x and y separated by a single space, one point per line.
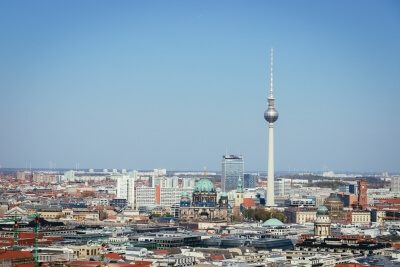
271 85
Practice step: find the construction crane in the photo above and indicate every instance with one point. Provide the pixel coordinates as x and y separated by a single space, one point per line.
36 231
15 228
381 220
15 235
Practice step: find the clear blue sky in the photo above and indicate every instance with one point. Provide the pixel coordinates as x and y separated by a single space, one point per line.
175 84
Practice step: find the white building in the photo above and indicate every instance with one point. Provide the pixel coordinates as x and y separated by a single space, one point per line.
135 253
145 197
172 195
159 196
395 184
282 186
126 188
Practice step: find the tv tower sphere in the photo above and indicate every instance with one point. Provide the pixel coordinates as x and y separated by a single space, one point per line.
271 115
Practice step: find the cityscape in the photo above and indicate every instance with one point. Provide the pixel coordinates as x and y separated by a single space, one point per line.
207 169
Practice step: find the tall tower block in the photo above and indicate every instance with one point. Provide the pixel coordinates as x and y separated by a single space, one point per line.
271 116
362 193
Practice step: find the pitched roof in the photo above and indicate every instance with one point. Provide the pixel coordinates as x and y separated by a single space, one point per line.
113 256
13 255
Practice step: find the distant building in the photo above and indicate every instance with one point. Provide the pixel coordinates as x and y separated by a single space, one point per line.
232 169
349 188
145 197
45 178
362 193
250 180
322 224
395 184
204 205
163 192
119 202
282 186
361 217
301 202
126 189
21 175
300 215
348 199
69 176
335 207
159 196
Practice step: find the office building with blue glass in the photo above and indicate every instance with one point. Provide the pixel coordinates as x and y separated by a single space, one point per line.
232 169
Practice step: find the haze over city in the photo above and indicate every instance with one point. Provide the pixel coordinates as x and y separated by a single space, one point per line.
176 84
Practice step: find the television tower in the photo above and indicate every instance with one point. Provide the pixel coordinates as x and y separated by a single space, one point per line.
271 116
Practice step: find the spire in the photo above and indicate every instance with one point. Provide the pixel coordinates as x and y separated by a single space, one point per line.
239 188
271 85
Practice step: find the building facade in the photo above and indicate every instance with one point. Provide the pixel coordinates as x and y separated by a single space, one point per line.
250 180
282 186
300 215
232 169
361 217
204 205
362 193
335 207
322 224
126 189
395 184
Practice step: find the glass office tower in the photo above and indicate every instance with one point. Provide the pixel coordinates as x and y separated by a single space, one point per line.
232 169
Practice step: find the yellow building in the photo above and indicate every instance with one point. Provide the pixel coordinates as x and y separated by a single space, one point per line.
361 217
304 216
81 214
51 214
86 251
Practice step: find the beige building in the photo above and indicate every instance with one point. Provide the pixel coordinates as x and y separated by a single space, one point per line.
42 177
51 214
81 214
86 251
301 215
322 224
361 217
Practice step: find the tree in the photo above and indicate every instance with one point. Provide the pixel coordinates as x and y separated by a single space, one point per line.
261 214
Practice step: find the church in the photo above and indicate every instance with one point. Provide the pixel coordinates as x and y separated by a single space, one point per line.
204 207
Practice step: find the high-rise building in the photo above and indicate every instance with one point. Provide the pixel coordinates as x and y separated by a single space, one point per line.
349 188
282 186
249 180
126 189
395 184
271 116
21 175
362 193
232 169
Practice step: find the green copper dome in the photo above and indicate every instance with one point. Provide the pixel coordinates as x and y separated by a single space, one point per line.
204 185
322 210
273 222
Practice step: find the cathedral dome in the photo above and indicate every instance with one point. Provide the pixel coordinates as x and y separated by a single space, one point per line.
322 210
204 185
273 222
333 198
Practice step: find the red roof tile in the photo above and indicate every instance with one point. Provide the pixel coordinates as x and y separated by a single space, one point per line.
113 256
12 255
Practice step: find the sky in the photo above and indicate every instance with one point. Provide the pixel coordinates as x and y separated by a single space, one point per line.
177 84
